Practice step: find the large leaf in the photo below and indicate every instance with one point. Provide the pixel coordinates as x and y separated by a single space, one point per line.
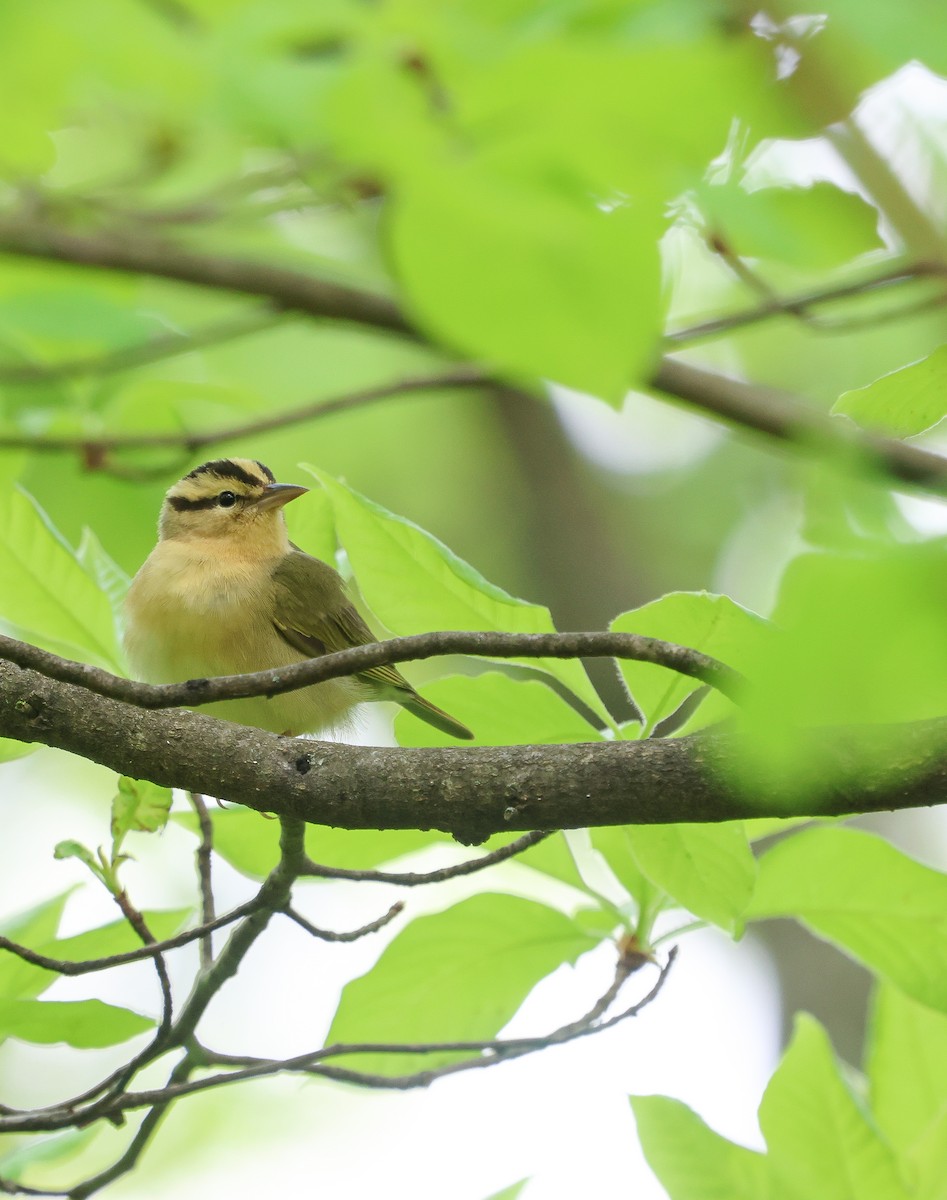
691 1161
708 869
819 226
476 250
45 593
903 402
715 625
84 1024
906 1065
819 1139
862 642
460 974
858 891
414 584
18 979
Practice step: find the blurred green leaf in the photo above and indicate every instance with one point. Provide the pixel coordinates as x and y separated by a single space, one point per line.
818 226
691 1161
18 979
44 1149
475 250
862 642
460 974
820 1141
715 625
906 1065
84 1024
114 938
509 1193
46 594
11 749
707 869
858 891
414 584
904 402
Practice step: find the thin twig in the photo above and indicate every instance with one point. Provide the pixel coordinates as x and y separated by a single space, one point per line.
140 926
203 856
65 966
127 358
460 377
418 878
800 304
328 935
357 659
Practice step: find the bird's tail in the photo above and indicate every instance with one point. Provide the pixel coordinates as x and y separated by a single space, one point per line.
434 716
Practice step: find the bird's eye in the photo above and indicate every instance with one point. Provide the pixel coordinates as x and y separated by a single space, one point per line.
227 499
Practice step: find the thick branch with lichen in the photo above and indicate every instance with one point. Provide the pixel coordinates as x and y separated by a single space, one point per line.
470 793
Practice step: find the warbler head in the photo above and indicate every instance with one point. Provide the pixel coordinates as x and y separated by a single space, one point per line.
230 498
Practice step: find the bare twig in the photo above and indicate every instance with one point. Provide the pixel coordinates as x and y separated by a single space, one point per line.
189 442
203 855
782 415
419 878
328 935
127 358
140 926
800 305
66 966
361 658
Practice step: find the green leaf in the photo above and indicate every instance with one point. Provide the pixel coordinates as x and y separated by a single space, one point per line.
18 979
115 938
460 974
715 625
250 842
414 584
46 592
85 1024
819 226
476 248
44 1149
906 1065
820 1141
311 526
691 1161
11 749
861 642
708 869
903 402
138 805
509 1193
854 889
501 711
73 849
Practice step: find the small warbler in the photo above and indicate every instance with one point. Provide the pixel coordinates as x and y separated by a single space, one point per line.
225 592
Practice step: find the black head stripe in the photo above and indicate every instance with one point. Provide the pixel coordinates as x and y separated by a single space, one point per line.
182 504
225 468
266 470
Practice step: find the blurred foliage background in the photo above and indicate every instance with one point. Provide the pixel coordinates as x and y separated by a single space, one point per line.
559 193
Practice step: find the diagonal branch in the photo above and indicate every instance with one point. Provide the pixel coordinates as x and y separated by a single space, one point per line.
778 414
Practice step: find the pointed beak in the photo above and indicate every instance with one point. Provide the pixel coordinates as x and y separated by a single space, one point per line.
275 495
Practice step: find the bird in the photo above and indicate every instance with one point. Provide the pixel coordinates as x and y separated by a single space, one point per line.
225 592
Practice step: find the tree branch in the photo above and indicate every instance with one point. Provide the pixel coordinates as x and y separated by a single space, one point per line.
778 414
469 793
290 290
276 681
783 415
